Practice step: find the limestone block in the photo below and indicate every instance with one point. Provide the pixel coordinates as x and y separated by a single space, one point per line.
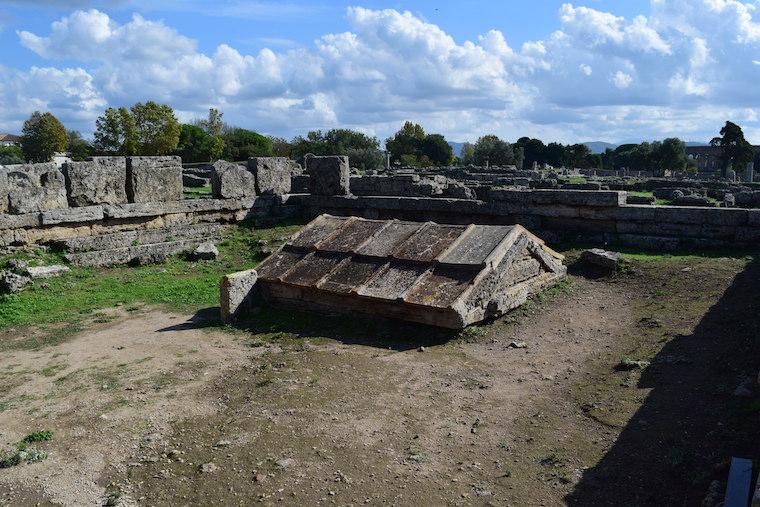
19 221
46 271
154 179
328 175
102 180
3 190
272 174
72 215
35 187
602 258
232 181
206 252
236 294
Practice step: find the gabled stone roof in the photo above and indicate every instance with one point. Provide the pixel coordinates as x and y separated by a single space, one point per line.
446 275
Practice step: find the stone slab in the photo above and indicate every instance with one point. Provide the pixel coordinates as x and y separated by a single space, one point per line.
19 221
154 179
72 215
102 180
232 181
236 292
328 175
273 174
35 187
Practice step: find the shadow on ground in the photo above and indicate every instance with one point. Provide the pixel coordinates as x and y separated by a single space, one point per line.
276 323
691 423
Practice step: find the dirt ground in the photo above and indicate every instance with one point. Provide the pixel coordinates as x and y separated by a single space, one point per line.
153 408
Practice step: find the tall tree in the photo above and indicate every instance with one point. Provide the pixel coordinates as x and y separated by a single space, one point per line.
196 145
533 151
437 149
362 150
668 155
736 152
42 137
406 143
241 144
557 155
213 124
493 150
78 148
157 128
115 132
468 154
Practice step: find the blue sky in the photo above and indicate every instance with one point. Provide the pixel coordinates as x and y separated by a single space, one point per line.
592 70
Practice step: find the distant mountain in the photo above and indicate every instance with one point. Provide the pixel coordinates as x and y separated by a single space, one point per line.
599 146
457 147
696 143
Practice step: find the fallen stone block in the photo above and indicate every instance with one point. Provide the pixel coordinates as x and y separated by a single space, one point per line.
273 174
12 283
442 275
693 200
102 180
639 199
193 181
328 175
610 261
206 252
232 181
35 187
237 291
154 179
46 271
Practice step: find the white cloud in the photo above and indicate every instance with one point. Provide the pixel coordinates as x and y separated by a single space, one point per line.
597 75
621 79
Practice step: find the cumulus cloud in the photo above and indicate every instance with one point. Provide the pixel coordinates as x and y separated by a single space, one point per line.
598 75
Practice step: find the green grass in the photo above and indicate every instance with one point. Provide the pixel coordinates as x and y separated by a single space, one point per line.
657 200
177 284
577 179
197 192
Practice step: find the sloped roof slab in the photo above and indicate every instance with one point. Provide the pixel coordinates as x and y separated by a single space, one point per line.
443 275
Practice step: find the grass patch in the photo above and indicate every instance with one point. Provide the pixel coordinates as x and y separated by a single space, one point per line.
197 192
178 284
21 452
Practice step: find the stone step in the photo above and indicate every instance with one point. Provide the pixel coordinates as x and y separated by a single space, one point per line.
141 254
139 237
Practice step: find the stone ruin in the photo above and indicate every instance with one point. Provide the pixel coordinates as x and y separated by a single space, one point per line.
442 275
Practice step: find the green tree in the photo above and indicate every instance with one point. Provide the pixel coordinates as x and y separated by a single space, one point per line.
362 150
42 137
241 144
196 145
668 155
437 149
580 156
468 154
493 150
406 143
157 128
736 152
10 155
533 151
556 155
281 147
115 132
213 124
78 148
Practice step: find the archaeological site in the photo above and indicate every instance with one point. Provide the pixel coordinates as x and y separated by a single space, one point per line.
304 332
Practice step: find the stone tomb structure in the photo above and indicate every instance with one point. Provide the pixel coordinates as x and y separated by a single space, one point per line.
443 275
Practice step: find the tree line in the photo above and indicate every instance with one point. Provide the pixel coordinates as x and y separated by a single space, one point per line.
152 129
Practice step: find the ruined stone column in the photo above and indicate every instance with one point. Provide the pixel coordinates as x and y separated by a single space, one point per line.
750 173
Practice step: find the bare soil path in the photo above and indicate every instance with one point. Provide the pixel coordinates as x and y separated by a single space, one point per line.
161 409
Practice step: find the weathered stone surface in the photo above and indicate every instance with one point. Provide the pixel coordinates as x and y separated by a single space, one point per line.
11 283
570 197
154 179
46 271
102 180
236 292
206 252
72 215
140 237
640 199
18 221
328 175
232 181
610 261
273 174
3 190
35 187
444 275
150 209
139 254
693 200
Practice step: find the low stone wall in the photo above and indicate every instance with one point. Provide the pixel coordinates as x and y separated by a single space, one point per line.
595 216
